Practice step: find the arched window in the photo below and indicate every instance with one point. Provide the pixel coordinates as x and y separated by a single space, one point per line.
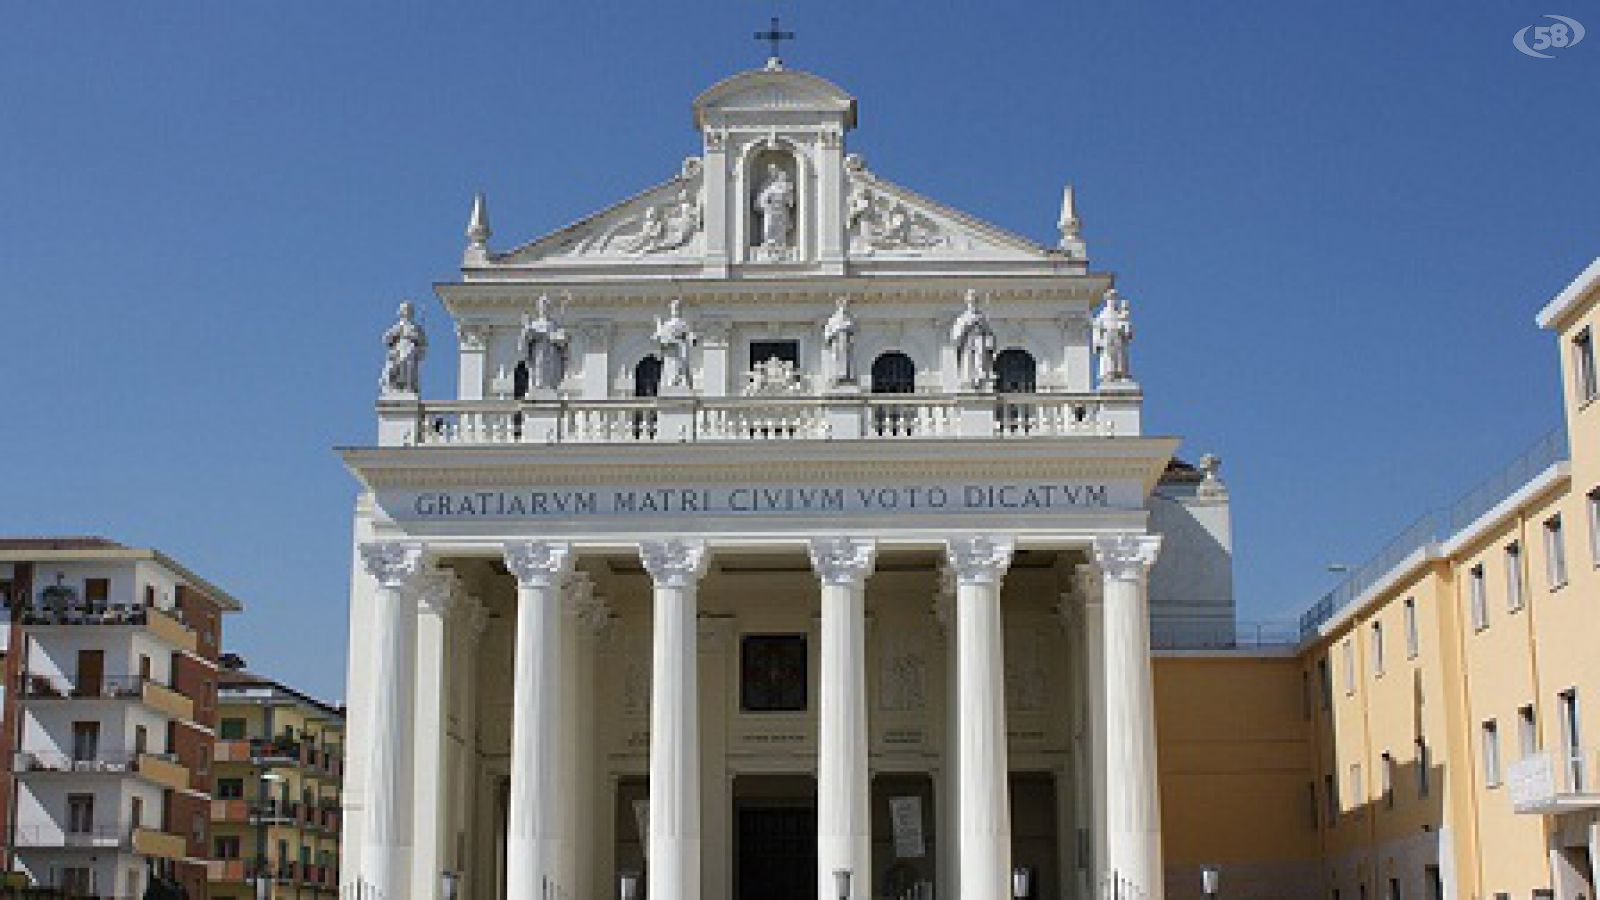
894 373
1015 371
647 377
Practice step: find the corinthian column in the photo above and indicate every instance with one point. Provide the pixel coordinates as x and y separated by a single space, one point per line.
673 853
1133 813
386 856
979 564
436 592
533 829
844 836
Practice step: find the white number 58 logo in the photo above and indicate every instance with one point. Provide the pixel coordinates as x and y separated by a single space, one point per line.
1566 32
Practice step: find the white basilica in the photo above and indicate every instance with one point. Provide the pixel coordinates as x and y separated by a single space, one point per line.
788 535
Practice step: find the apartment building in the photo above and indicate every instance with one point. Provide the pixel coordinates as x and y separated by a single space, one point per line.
276 802
109 716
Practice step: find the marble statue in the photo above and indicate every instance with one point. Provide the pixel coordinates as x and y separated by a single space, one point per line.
775 200
674 339
839 344
405 344
1113 332
544 348
974 343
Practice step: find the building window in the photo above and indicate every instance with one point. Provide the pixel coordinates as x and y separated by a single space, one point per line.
1527 731
1325 680
1423 762
787 351
1555 553
1349 651
1583 370
1514 576
647 377
1387 774
197 829
1377 648
1411 627
1015 371
1491 754
232 729
1394 889
1594 526
77 881
773 673
96 593
1477 598
80 813
226 847
1357 796
1572 739
85 741
149 595
1330 793
1316 811
230 788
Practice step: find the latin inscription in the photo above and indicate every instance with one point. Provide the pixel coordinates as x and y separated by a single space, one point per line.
751 500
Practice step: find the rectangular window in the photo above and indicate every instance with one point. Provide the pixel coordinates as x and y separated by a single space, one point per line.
232 729
762 351
1357 796
230 788
1583 369
1594 526
1394 889
1514 576
1527 731
1325 679
1387 774
1491 754
1572 739
96 591
149 595
1330 793
1477 595
85 741
80 813
773 673
1349 651
1411 628
1555 553
1377 648
227 847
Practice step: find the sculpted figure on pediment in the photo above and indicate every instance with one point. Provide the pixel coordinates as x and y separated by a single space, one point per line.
878 221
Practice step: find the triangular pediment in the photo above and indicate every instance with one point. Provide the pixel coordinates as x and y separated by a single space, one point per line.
665 221
887 220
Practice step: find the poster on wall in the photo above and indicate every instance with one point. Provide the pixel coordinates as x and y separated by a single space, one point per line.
905 818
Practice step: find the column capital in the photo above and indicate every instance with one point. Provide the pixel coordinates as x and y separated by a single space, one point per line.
436 590
539 563
393 564
674 563
979 559
843 560
1126 556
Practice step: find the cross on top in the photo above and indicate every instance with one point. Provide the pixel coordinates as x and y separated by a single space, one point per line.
775 36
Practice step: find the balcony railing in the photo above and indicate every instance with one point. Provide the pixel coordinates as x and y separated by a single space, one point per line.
741 419
26 762
159 622
1555 782
48 836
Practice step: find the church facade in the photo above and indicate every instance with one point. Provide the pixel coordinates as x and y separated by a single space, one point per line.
788 533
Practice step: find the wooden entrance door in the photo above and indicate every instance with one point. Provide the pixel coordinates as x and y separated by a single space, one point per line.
777 854
91 672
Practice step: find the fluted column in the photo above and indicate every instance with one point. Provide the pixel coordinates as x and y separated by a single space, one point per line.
673 853
436 593
386 856
983 801
844 835
533 829
1133 813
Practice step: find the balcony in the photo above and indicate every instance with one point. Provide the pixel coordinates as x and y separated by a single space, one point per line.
163 770
158 843
157 622
43 837
761 418
1547 783
28 763
153 694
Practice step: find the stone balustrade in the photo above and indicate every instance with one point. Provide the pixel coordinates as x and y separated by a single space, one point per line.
737 419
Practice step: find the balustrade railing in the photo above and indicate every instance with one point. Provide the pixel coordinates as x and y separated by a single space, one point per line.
675 419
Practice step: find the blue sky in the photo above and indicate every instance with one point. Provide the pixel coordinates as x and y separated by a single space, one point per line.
1335 221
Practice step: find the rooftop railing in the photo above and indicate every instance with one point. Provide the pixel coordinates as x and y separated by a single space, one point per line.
1437 526
761 418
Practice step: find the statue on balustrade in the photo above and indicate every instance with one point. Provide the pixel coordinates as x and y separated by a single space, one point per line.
674 339
839 344
544 348
1113 332
405 344
974 343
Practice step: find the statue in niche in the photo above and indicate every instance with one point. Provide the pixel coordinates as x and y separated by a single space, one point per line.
974 343
544 348
775 201
1113 332
405 345
839 343
674 339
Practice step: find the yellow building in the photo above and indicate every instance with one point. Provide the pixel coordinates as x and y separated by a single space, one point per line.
275 812
1425 738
